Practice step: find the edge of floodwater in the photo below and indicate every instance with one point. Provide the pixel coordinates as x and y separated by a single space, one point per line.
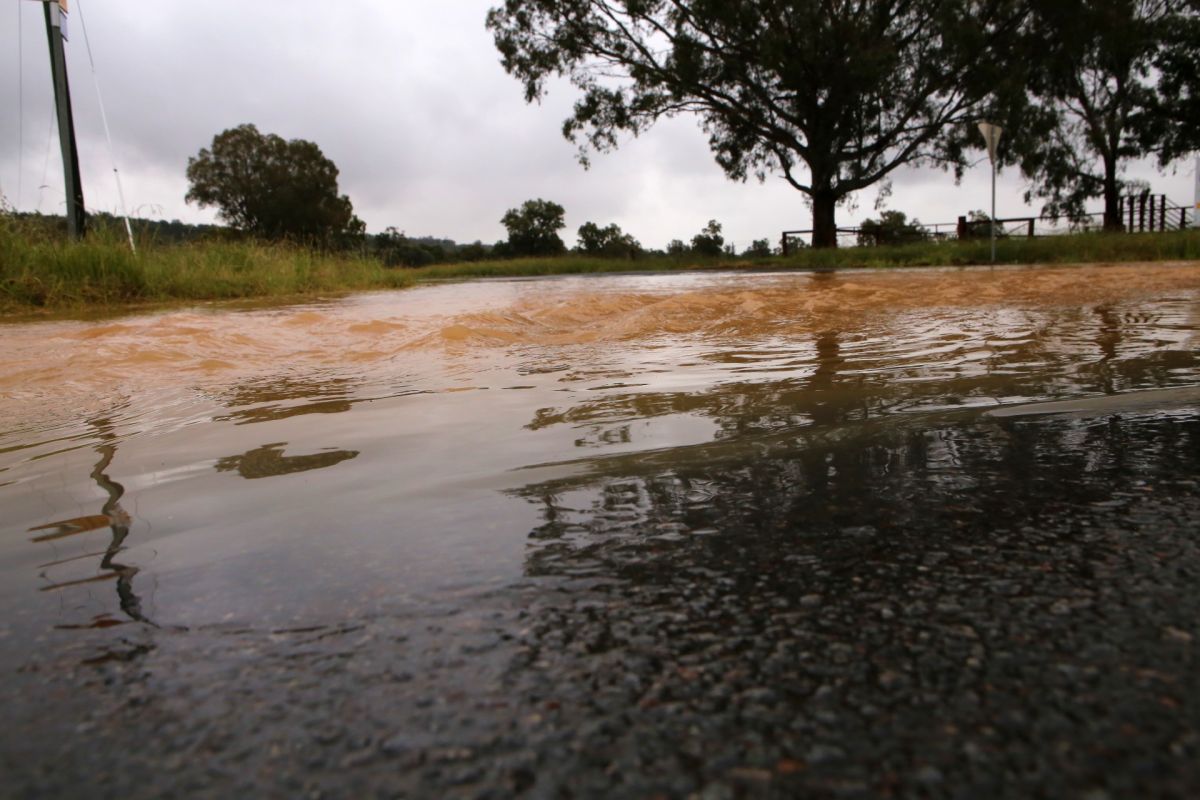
99 312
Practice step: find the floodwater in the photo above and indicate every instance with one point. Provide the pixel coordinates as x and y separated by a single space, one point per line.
382 456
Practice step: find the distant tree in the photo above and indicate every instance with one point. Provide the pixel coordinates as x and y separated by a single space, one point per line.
759 248
395 249
676 247
388 246
533 228
834 96
1095 98
271 187
476 251
709 241
608 241
892 227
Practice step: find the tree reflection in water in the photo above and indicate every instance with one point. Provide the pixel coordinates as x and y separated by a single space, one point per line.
281 398
833 609
268 461
829 451
833 577
900 480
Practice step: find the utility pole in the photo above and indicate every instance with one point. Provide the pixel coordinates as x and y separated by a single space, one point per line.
56 33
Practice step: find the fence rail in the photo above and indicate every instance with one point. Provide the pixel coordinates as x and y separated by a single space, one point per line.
1138 214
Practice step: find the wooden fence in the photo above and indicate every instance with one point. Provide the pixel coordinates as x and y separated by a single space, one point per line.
1141 213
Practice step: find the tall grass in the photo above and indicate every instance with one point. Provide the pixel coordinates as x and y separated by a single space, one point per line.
41 271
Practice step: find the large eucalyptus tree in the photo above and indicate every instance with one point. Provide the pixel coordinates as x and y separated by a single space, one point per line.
1111 82
834 95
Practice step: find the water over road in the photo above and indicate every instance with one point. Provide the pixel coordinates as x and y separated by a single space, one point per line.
922 533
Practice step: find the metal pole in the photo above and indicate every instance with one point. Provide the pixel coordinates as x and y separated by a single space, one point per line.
991 137
1196 195
66 122
993 211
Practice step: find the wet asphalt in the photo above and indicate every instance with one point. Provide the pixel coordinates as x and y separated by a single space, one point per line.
983 608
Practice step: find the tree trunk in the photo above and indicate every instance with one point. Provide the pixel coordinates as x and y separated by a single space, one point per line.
824 206
1112 197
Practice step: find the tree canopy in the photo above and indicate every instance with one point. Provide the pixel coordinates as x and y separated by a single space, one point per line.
892 227
709 241
271 187
609 241
834 96
1107 82
533 228
1178 64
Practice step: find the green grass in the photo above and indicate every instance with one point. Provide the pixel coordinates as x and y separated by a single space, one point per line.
1083 248
40 272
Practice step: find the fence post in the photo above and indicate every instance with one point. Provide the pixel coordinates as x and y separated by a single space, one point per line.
1162 214
1153 205
1031 228
1142 214
1182 219
784 244
1130 199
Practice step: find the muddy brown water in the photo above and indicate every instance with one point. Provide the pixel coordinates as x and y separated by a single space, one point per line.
916 533
301 465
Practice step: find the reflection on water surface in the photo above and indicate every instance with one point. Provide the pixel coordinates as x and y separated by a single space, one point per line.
269 460
875 534
113 517
413 424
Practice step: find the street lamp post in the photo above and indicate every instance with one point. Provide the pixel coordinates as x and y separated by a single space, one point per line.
991 135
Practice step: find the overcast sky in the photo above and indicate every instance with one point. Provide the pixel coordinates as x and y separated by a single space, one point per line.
409 100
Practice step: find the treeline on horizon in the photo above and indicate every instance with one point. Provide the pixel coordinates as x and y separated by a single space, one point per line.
532 234
832 97
391 246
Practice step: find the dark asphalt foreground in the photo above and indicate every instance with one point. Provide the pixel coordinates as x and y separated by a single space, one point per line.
998 608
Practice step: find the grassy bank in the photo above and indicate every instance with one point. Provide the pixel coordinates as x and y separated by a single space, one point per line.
1084 248
42 273
49 273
